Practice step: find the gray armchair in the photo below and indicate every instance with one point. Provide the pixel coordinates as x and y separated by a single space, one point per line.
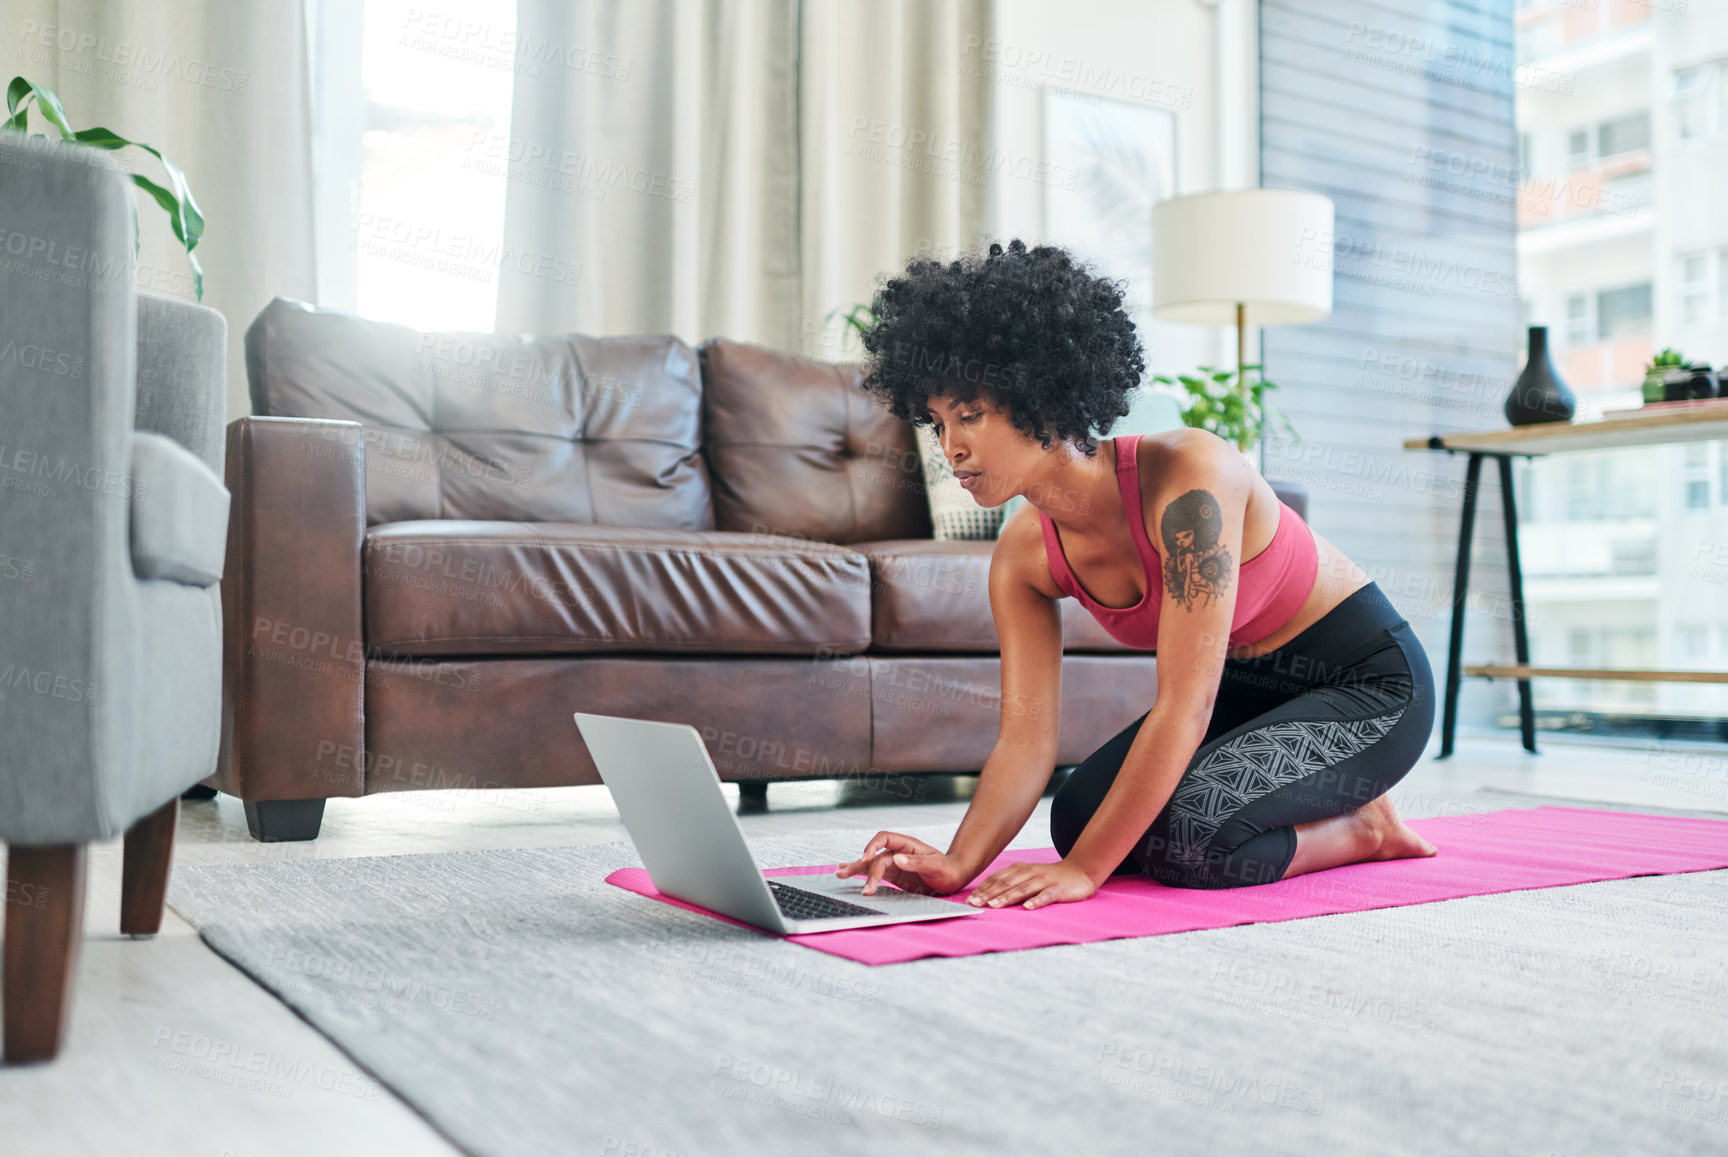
113 519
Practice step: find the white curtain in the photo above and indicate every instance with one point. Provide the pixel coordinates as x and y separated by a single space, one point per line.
895 136
220 87
737 167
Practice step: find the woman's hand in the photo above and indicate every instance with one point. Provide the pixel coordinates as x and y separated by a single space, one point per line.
1035 884
909 864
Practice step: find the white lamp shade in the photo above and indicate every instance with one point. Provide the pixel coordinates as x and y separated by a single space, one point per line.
1269 250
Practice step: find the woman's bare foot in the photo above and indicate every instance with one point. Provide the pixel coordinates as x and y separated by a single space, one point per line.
1371 832
1397 841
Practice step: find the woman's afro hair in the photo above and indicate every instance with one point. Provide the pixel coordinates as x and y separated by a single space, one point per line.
1030 329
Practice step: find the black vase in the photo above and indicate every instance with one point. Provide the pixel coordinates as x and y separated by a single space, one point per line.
1539 395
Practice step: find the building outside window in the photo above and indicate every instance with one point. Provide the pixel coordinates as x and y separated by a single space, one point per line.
1624 311
1632 258
1623 135
1696 477
1691 101
1580 328
1697 304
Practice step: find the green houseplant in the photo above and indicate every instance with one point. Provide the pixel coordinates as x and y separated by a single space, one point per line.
1657 371
184 216
1218 403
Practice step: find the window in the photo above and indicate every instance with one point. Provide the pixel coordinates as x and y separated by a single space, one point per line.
1694 643
1623 135
1719 80
1702 279
1604 485
1696 308
1580 490
1695 477
1700 99
1578 327
1623 312
1525 482
1632 556
1691 97
425 229
1721 280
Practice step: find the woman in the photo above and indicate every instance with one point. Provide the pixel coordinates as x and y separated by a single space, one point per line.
1291 694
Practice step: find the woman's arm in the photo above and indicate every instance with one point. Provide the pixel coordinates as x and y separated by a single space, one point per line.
1029 630
1019 766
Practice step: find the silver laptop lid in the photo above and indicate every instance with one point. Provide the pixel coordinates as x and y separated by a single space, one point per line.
669 796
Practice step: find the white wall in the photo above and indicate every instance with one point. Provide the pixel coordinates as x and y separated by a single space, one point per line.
1194 58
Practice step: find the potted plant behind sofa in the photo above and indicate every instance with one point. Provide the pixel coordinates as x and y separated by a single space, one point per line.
1217 404
184 216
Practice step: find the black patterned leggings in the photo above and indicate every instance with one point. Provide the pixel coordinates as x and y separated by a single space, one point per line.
1311 730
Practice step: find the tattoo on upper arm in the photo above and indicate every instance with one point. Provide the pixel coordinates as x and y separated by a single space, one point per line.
1196 565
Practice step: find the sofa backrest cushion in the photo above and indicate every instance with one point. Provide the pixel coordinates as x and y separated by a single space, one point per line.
797 447
530 428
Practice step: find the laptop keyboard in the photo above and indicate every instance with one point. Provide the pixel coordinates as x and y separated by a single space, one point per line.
799 904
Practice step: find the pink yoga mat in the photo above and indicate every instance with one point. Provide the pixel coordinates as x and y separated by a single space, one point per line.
1482 853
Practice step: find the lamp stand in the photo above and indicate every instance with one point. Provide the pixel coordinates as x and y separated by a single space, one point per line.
1242 377
1241 346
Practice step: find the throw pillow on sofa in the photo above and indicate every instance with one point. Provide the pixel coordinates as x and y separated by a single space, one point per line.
954 513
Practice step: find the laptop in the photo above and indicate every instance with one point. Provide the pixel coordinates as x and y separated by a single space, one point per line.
668 795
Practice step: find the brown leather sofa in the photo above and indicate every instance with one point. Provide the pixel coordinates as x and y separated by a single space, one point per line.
441 545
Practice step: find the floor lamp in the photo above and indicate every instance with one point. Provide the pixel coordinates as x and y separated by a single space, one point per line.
1252 257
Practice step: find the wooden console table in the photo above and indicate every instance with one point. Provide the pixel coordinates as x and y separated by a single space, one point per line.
1654 424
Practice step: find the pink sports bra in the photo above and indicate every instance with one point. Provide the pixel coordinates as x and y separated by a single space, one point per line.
1273 584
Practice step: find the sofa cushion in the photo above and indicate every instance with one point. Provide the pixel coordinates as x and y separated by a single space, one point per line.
798 447
930 596
449 587
555 428
179 513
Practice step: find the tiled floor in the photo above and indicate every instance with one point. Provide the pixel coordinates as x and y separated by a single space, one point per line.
147 1011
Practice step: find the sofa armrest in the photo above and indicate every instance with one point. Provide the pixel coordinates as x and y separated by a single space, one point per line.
293 656
68 602
179 513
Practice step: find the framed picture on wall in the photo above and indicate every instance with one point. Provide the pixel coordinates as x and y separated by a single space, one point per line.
1114 160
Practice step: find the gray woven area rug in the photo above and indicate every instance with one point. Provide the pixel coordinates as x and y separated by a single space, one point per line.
525 1007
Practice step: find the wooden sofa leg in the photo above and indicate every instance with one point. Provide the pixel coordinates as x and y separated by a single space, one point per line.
144 870
44 926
